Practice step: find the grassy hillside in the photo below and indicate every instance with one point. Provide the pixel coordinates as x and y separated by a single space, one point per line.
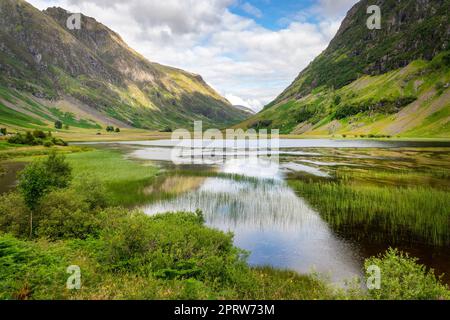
93 72
389 82
413 101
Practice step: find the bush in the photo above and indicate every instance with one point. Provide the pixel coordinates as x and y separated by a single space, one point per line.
65 214
58 124
39 134
59 142
402 278
3 131
92 191
117 130
110 129
14 215
36 138
169 246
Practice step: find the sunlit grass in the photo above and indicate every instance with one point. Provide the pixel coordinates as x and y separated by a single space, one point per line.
125 179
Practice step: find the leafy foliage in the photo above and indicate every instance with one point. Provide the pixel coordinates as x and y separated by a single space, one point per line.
43 175
402 278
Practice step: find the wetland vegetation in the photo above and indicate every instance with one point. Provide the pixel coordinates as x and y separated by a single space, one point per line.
93 218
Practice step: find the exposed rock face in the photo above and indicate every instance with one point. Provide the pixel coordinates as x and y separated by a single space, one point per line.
39 54
411 29
380 82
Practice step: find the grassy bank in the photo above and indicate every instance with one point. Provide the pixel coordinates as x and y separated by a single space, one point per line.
397 205
124 179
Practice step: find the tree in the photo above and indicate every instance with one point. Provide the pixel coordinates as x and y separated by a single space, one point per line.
110 129
117 130
40 177
3 131
39 134
58 124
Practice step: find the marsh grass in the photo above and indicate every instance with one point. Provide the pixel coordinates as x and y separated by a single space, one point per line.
125 179
376 211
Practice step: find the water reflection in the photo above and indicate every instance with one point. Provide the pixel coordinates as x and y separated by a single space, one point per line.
251 199
268 219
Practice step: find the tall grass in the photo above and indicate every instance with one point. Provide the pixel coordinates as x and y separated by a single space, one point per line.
411 213
124 179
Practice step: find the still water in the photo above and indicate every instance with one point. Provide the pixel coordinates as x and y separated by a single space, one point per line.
244 190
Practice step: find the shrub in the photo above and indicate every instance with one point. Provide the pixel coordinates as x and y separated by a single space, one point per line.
58 124
14 215
93 192
59 142
39 134
170 246
65 214
167 129
337 100
110 129
402 278
3 131
117 130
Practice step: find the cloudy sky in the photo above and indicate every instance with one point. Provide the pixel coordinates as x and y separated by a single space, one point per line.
248 50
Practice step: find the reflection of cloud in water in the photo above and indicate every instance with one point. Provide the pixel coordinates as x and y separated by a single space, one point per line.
269 220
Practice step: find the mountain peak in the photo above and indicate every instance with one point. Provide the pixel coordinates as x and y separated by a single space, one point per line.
95 66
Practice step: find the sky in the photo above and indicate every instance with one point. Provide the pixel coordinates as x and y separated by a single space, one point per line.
247 50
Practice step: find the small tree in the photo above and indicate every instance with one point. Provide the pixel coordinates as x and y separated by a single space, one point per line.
58 124
3 131
117 130
41 176
39 134
110 129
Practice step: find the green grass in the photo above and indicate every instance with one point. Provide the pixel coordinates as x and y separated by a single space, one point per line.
12 117
125 179
382 205
368 105
173 256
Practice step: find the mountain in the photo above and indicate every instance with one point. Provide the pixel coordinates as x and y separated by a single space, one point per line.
393 81
244 108
90 77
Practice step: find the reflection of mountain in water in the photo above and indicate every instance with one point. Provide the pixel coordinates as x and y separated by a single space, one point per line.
267 218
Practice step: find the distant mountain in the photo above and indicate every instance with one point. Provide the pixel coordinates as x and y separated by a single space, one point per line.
394 81
245 109
89 77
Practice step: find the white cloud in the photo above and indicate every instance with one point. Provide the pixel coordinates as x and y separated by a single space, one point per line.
332 9
252 10
238 57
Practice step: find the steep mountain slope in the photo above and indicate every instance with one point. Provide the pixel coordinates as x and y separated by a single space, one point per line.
90 77
393 81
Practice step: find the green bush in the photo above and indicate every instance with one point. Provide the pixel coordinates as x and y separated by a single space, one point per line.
39 134
14 215
36 138
58 124
93 192
65 214
169 246
41 176
402 278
